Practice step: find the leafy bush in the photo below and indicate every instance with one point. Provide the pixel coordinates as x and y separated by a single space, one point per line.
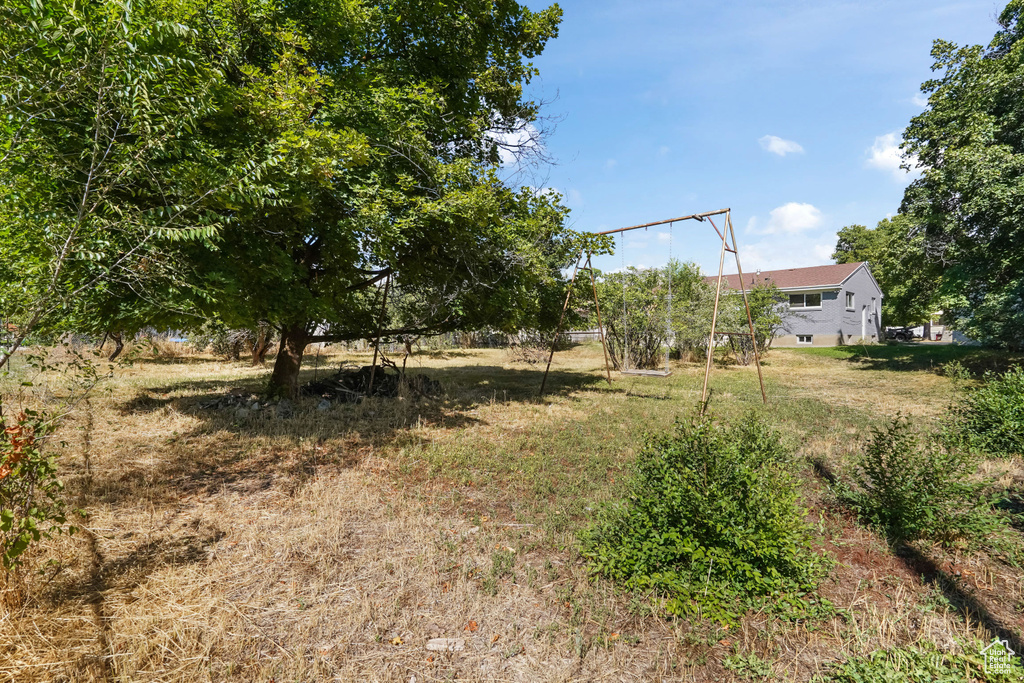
634 302
763 299
912 490
990 417
31 505
712 522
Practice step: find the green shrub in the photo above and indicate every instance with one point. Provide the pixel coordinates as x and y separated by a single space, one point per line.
31 504
990 417
911 490
712 523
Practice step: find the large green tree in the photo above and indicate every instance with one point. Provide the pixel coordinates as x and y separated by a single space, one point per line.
855 243
385 122
895 251
969 199
102 171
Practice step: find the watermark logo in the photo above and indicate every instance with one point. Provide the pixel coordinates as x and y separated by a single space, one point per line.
999 658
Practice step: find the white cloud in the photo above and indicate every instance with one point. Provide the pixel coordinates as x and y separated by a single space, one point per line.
517 144
919 100
776 145
610 164
664 237
663 150
787 251
885 155
788 219
631 266
823 252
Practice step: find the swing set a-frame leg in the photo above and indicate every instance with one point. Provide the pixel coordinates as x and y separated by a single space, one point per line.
746 305
727 233
561 319
714 321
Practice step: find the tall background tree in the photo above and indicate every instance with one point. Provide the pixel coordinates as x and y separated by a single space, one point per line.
895 250
969 200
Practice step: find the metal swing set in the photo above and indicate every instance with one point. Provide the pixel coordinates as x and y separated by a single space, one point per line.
728 236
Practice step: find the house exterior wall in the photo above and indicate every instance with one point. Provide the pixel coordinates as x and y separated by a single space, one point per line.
833 324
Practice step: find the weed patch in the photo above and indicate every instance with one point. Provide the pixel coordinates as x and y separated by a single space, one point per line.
918 664
749 667
32 506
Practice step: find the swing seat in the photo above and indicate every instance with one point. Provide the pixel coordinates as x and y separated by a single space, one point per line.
648 373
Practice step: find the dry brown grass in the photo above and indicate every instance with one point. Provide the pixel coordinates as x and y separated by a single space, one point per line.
332 546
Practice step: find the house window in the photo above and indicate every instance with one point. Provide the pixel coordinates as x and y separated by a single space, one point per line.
849 301
804 338
805 300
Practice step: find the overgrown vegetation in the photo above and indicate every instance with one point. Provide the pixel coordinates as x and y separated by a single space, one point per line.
990 417
36 397
911 487
330 521
765 314
713 522
534 346
640 318
916 664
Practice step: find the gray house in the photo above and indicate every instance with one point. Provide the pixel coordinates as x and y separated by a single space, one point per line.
826 306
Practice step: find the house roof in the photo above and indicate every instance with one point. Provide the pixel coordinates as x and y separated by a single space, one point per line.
794 278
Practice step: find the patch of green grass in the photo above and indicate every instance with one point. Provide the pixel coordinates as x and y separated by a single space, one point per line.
553 458
914 356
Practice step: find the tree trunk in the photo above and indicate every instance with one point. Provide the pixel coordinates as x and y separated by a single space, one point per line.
262 345
285 379
118 344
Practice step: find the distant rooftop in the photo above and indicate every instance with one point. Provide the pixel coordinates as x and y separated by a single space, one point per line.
793 278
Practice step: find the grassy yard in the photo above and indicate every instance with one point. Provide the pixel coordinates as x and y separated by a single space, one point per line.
331 545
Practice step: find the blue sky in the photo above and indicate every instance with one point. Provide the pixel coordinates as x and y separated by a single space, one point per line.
787 111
